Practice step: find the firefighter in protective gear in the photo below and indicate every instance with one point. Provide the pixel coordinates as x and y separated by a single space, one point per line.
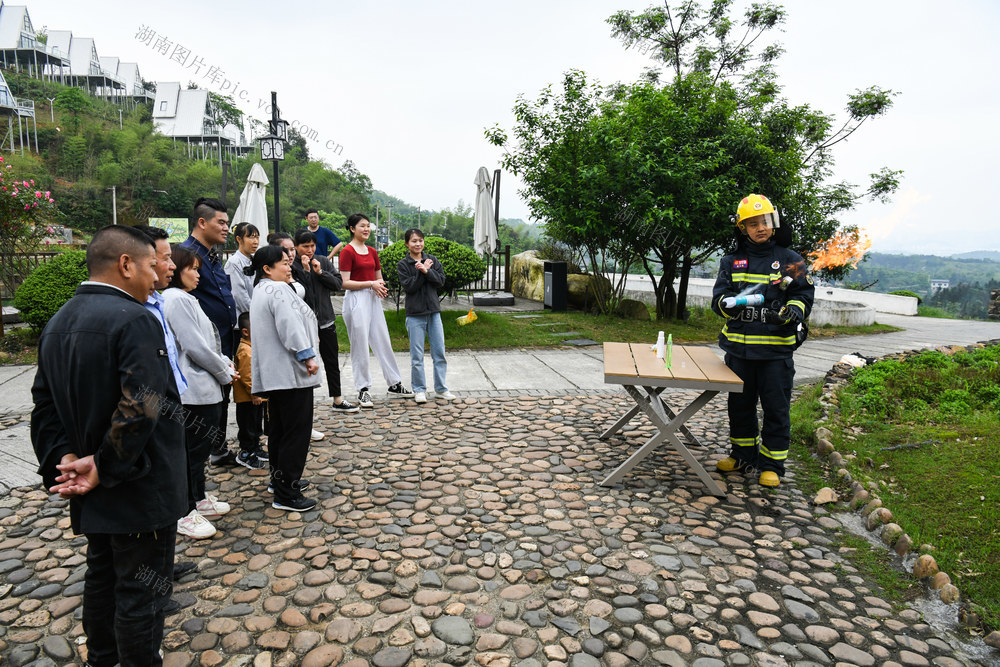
759 339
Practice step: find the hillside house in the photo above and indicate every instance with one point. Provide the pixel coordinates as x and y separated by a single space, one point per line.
22 50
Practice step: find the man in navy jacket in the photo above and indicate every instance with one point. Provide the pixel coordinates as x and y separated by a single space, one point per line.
215 295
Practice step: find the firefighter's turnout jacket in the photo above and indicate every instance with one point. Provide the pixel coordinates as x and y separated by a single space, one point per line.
759 269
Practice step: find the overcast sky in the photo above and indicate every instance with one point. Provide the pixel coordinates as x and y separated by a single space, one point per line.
406 88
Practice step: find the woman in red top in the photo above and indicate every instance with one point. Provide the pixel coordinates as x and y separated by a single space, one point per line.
366 327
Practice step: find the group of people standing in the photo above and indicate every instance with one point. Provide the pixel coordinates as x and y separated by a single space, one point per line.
134 380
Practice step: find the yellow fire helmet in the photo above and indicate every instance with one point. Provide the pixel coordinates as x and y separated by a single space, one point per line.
752 206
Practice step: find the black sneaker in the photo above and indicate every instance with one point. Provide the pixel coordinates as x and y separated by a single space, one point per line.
299 504
399 391
183 567
345 407
365 398
262 454
250 460
298 485
226 458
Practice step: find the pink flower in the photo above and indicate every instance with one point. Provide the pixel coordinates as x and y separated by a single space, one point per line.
38 195
48 194
52 201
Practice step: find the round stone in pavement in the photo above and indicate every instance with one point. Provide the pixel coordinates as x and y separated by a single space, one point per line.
58 648
453 630
628 615
584 660
391 657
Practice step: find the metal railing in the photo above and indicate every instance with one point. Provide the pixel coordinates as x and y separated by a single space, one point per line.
497 276
17 267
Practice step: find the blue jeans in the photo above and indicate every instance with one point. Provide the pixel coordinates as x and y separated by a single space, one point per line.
421 327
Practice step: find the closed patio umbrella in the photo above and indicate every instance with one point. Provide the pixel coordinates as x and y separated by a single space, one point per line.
253 207
485 233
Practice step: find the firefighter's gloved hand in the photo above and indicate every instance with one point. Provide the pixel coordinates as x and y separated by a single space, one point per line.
771 316
732 312
789 314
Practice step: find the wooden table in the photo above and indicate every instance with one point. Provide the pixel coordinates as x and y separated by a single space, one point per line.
644 377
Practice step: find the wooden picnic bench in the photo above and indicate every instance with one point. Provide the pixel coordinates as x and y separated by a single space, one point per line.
645 377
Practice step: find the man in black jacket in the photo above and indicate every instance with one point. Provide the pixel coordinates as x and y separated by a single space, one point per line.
318 276
108 430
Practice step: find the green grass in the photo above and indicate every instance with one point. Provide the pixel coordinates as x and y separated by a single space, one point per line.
876 564
810 474
497 331
931 311
924 431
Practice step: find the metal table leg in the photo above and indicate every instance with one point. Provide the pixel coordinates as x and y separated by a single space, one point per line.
666 430
634 410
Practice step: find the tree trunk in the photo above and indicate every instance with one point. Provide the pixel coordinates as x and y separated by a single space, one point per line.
683 287
666 301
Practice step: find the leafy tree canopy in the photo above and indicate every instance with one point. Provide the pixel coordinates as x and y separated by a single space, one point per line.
648 173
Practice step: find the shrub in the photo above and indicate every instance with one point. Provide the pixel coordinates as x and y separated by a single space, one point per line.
906 292
49 286
553 251
461 265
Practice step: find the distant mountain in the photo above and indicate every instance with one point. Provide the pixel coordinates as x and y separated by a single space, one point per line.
523 228
915 272
992 255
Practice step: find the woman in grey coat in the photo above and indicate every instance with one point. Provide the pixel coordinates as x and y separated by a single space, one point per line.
284 338
206 369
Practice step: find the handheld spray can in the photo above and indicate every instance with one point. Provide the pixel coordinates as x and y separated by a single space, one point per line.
744 300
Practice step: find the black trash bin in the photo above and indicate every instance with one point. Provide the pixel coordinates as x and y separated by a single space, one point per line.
556 288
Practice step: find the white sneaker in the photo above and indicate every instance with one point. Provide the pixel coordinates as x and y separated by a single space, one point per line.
447 396
195 526
211 507
420 397
317 436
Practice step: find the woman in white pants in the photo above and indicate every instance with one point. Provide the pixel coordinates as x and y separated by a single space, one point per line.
363 317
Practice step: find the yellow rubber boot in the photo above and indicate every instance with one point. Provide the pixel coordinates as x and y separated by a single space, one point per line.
729 464
769 478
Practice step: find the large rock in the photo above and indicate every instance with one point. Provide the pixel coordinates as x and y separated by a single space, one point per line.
630 309
527 281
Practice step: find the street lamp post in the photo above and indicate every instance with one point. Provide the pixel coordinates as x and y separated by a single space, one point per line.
272 147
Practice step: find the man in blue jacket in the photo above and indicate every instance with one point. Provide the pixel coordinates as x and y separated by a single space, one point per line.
765 294
215 295
108 436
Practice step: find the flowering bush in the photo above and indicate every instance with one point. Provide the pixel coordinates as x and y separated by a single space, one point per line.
23 210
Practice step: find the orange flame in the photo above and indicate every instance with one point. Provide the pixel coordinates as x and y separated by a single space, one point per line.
842 249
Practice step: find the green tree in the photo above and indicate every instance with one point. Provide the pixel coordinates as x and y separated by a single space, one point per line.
74 102
25 211
688 38
649 172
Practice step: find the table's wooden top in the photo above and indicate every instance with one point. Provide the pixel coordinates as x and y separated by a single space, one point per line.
692 367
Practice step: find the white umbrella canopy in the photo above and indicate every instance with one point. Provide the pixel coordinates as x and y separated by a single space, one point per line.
484 228
253 206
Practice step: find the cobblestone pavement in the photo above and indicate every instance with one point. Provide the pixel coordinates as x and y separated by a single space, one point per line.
475 532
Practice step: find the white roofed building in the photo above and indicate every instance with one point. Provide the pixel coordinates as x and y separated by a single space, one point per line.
189 115
22 50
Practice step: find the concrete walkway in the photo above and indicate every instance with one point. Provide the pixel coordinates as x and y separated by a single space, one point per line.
528 372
